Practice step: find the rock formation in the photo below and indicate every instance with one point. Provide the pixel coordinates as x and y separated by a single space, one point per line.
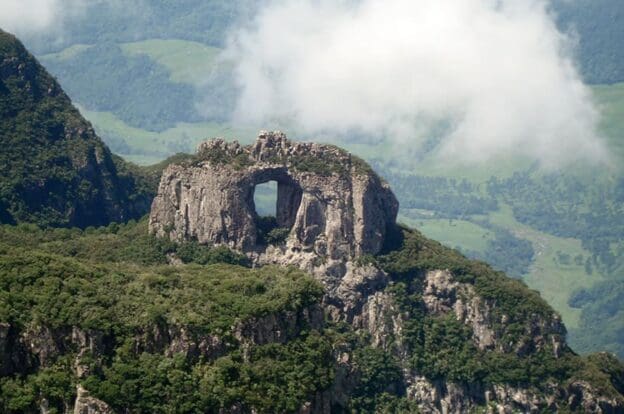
335 208
85 404
337 213
333 204
417 327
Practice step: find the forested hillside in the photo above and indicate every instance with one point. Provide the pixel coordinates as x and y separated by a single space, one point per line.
558 231
54 170
598 27
104 309
98 314
194 20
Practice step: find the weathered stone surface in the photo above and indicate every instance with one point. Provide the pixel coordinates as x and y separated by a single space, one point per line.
278 327
333 204
85 404
44 343
336 207
443 294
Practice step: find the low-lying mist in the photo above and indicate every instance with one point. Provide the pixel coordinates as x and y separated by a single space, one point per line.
496 75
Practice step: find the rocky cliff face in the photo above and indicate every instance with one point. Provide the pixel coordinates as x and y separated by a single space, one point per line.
85 404
38 347
334 206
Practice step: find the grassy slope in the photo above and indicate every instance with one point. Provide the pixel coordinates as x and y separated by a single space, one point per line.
66 53
555 280
452 233
147 147
187 61
610 99
548 275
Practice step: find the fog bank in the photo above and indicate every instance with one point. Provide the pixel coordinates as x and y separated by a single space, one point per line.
490 77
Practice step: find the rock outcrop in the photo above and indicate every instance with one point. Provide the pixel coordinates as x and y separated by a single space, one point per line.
85 404
335 207
337 213
418 327
40 346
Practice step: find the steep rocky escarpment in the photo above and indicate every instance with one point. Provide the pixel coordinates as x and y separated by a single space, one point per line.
96 321
437 332
54 170
333 207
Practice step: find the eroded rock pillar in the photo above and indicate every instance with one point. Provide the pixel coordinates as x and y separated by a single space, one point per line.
288 201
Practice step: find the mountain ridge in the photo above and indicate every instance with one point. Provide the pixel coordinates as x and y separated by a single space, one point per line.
54 169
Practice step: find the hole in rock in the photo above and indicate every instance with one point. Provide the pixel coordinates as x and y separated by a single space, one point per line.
265 199
276 204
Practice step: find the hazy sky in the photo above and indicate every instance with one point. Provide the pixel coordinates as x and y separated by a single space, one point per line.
25 16
498 72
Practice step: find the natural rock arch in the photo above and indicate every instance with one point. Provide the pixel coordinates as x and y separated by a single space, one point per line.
335 205
289 194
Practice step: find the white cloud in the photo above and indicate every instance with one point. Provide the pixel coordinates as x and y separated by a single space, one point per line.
497 69
35 14
27 16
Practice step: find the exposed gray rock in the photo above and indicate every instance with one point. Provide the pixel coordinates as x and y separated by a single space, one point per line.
89 343
40 345
44 406
85 404
448 397
278 328
333 204
583 397
44 343
381 318
443 294
336 207
5 350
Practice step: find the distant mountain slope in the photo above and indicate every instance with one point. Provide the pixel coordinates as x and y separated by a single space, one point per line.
598 25
205 21
596 22
117 83
54 170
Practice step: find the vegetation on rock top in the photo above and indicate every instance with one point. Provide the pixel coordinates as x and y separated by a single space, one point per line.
442 347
